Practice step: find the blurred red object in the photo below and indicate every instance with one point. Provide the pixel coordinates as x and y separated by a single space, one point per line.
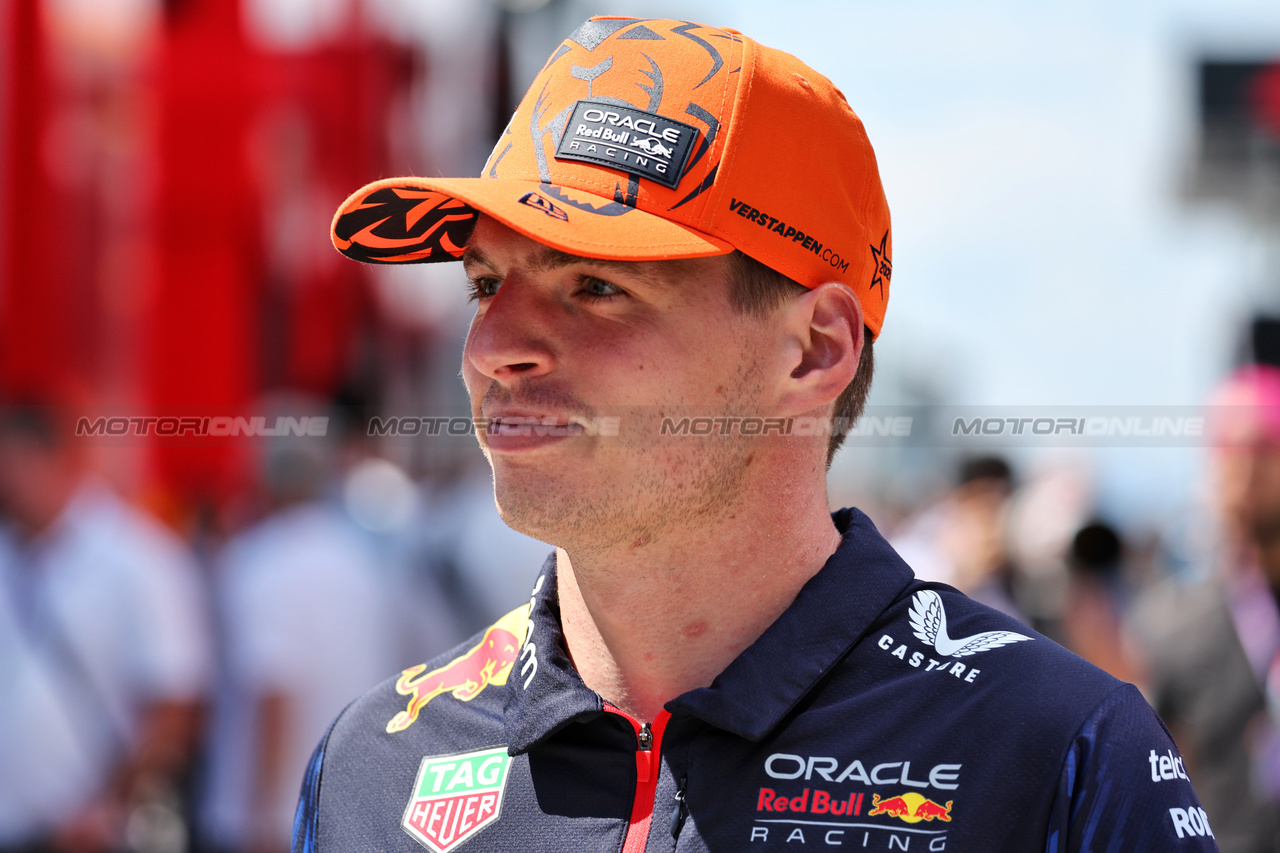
1265 98
202 344
42 305
228 289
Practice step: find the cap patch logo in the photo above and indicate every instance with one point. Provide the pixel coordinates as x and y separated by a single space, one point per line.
456 796
643 144
538 202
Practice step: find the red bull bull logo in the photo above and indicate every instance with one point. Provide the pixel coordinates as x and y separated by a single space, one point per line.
910 807
487 662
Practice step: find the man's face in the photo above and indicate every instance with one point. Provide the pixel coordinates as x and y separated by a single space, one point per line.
34 480
572 341
1248 479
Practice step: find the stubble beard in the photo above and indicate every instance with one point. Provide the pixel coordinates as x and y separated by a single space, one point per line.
636 488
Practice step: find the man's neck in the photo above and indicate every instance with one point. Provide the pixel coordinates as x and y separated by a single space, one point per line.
644 625
47 505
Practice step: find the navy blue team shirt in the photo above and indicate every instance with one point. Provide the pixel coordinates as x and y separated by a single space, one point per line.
878 713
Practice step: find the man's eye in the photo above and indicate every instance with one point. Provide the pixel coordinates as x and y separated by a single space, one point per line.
598 288
482 287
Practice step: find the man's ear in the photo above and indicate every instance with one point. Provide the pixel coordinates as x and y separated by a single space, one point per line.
823 343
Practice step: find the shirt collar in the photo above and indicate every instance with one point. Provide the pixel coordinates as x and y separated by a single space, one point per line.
831 613
544 691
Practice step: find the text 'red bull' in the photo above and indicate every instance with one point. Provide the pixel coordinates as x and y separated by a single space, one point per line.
487 662
822 803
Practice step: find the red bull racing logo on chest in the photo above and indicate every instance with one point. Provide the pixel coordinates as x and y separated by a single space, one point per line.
487 662
911 807
456 796
828 800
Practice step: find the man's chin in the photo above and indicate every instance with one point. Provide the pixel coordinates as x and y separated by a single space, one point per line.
534 507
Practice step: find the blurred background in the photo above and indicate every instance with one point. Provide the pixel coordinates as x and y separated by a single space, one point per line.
1086 203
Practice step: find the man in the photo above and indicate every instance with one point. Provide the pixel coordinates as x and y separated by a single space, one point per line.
962 539
1212 648
104 652
710 660
303 601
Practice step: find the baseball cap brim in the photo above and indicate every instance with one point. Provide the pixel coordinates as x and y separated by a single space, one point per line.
422 220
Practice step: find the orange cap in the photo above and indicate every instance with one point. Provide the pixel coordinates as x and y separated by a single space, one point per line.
653 139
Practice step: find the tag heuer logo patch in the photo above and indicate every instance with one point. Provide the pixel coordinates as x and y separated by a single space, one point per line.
456 796
643 144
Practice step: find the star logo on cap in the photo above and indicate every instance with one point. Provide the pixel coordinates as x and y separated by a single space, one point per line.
883 266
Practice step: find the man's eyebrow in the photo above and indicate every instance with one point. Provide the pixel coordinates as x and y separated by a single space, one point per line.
473 256
552 259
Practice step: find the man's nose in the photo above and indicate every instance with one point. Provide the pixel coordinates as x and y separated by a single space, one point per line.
511 339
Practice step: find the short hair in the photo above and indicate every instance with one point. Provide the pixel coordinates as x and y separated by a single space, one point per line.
757 289
993 468
31 423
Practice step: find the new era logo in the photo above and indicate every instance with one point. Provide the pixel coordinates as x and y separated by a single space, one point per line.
544 204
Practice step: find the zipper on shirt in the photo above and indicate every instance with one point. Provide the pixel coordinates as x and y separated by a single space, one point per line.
679 813
648 756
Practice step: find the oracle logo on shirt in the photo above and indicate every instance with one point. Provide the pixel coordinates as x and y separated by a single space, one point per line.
782 765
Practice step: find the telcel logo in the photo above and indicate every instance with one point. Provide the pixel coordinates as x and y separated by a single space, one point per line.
1167 766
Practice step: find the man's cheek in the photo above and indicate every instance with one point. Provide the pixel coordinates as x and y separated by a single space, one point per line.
472 378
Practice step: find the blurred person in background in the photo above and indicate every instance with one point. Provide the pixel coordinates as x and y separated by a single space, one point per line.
306 621
1212 649
103 654
962 539
478 562
430 608
1097 599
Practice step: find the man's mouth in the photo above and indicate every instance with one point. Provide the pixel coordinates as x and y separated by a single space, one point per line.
538 426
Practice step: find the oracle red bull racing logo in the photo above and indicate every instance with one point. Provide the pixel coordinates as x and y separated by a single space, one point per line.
911 807
487 662
828 800
644 144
